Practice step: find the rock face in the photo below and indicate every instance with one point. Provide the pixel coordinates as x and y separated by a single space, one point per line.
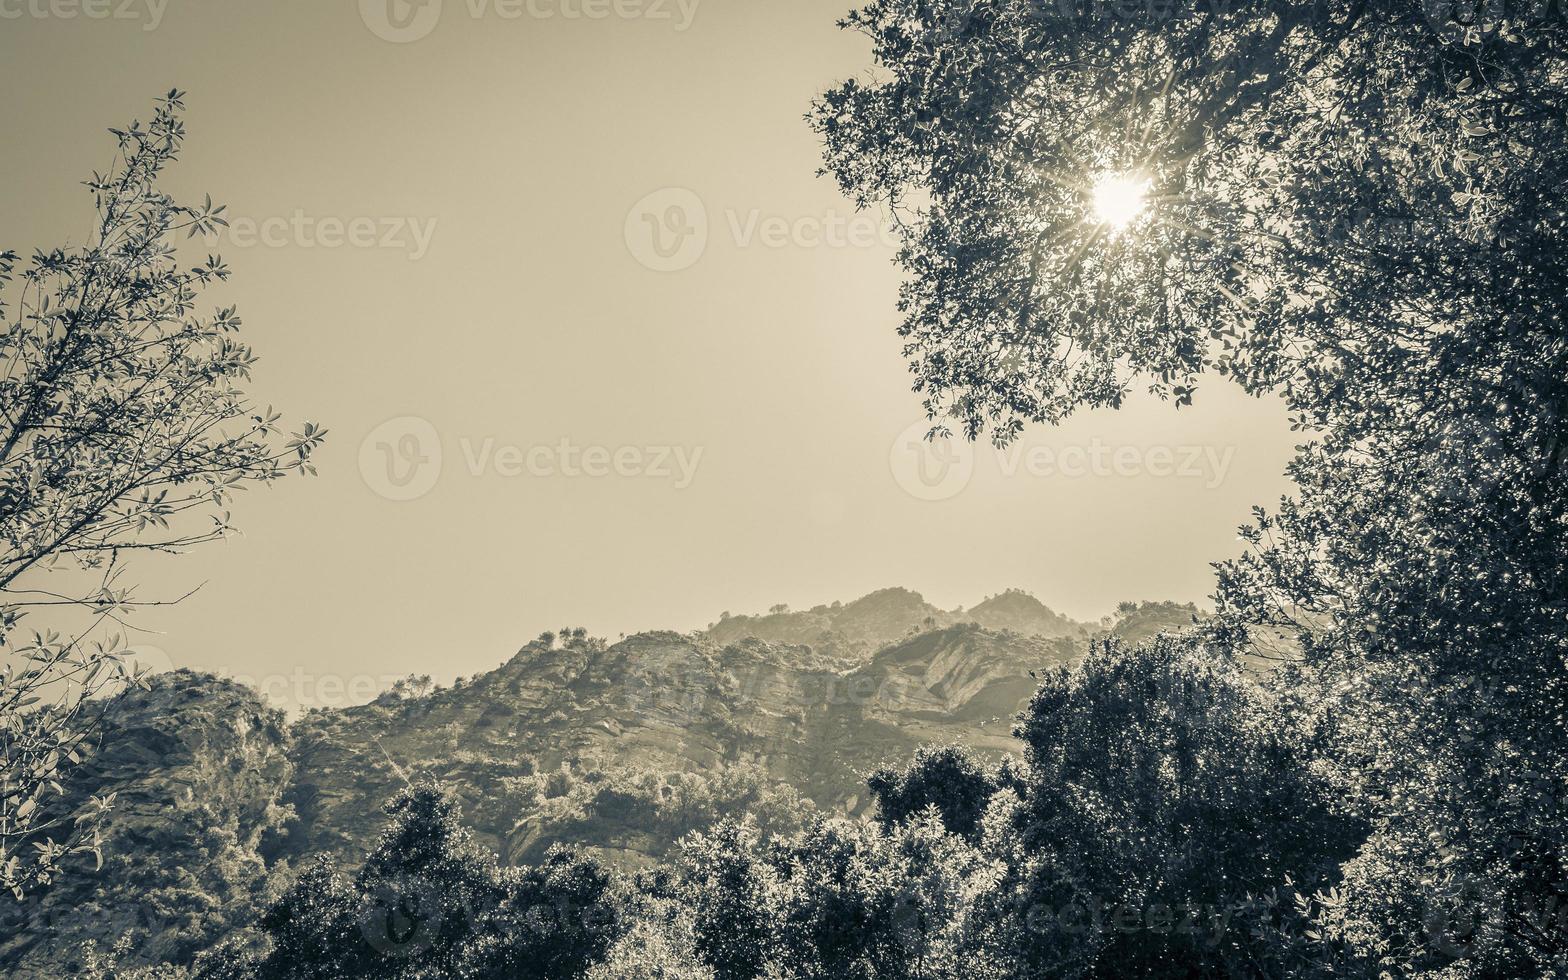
665 703
198 767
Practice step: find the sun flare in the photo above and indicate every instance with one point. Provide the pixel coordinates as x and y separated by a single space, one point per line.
1119 199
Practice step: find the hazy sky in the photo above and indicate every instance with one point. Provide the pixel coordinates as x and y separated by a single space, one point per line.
644 357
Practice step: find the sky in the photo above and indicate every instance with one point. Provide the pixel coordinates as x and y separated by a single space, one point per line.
594 342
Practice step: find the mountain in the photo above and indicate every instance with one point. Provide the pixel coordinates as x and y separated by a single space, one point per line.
845 629
1020 612
859 628
583 712
620 748
198 767
1136 623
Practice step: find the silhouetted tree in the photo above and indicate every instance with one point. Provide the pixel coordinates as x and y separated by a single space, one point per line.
947 777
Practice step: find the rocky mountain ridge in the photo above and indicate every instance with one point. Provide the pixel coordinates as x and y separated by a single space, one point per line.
873 621
621 748
666 703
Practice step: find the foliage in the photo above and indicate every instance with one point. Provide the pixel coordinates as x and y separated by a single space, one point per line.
124 428
1161 781
1282 140
1167 820
659 945
109 965
1355 206
584 805
946 777
1166 797
429 903
840 900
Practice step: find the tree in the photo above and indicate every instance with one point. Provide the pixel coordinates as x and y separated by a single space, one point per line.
861 902
417 902
312 930
946 777
124 428
1162 791
727 889
1282 145
837 901
556 921
1358 207
431 903
659 945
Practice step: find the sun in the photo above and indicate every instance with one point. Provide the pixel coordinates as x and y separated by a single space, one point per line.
1119 199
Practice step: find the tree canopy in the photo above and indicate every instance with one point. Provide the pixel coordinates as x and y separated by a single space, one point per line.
1357 208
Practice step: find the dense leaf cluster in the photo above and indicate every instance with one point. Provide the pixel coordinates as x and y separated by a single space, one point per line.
1356 206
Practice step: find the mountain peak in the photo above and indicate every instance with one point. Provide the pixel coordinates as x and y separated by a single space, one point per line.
1021 612
887 616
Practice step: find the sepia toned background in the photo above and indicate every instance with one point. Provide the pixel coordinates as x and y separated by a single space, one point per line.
595 344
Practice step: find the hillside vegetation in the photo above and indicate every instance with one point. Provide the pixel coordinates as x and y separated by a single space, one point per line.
621 749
